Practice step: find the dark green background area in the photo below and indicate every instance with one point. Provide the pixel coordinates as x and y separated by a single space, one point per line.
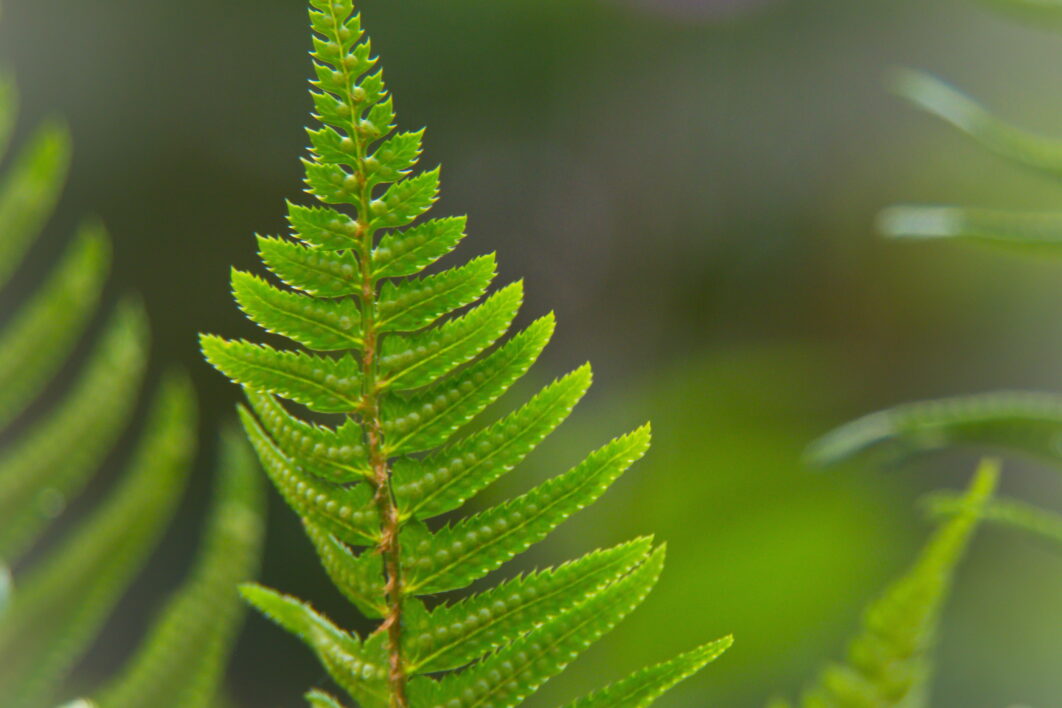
693 193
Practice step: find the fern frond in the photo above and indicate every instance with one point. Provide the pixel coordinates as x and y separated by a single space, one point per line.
1011 420
181 660
888 664
406 360
321 384
61 603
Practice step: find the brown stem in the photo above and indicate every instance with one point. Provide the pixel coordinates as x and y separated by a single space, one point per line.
388 547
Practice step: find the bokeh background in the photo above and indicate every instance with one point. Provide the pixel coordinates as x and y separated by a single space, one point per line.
691 185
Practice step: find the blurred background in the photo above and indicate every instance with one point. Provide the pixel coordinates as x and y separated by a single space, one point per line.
691 185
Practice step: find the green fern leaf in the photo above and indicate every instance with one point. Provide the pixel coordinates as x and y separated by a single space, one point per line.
641 689
44 331
29 191
409 305
1021 421
888 664
938 98
61 450
507 677
335 455
456 555
429 418
323 228
317 272
425 356
353 665
358 577
321 384
443 481
412 361
345 511
404 201
402 253
181 660
324 325
503 613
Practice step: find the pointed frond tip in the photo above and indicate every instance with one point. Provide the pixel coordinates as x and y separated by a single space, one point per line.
402 360
1024 422
888 663
942 100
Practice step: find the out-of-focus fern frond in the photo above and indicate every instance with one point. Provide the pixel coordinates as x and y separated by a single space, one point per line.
1025 422
44 331
997 226
888 664
1010 513
944 101
62 602
406 362
181 660
1014 229
50 462
53 609
30 189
